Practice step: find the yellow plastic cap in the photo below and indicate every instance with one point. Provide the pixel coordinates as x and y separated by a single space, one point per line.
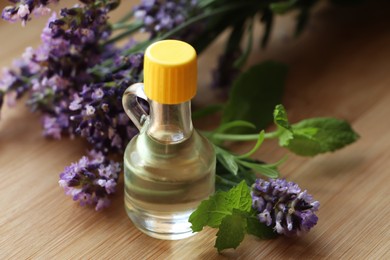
170 72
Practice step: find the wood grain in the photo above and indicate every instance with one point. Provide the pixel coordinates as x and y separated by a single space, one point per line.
338 67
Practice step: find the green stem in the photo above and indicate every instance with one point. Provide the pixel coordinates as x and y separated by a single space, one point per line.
131 29
205 3
234 137
126 17
225 181
118 26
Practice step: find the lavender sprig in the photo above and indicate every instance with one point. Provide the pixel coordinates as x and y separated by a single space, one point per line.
70 85
160 16
284 206
91 180
23 9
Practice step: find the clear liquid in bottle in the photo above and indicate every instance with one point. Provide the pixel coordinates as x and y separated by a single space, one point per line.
166 182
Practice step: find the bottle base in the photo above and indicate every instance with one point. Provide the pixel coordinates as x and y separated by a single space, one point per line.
162 226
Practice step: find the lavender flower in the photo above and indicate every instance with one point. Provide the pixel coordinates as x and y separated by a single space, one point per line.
91 180
76 81
15 82
160 16
23 9
284 206
73 101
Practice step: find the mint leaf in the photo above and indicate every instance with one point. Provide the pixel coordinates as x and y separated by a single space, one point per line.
280 117
258 229
231 231
240 197
313 136
232 213
211 212
330 134
255 93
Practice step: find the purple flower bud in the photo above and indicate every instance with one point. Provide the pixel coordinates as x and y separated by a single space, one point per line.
161 16
287 209
91 180
22 10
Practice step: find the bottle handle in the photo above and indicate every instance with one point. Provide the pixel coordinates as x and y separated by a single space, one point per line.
131 105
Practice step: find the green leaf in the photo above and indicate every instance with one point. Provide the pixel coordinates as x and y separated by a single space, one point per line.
258 229
320 135
313 136
255 93
225 180
227 160
282 7
256 147
239 197
280 117
261 168
211 211
231 231
276 164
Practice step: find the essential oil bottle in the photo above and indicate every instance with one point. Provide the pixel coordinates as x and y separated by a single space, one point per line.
169 166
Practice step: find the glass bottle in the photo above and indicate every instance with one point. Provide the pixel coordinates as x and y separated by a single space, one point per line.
169 166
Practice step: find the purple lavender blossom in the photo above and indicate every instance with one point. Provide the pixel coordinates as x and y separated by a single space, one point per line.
283 206
78 94
15 82
23 9
75 102
160 16
91 180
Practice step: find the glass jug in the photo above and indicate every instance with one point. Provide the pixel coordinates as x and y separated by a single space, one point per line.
169 166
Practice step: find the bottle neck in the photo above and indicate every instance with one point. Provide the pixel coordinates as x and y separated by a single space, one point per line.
170 123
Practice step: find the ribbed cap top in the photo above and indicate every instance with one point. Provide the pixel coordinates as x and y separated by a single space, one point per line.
170 72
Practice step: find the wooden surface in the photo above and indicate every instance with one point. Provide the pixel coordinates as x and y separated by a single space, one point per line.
339 67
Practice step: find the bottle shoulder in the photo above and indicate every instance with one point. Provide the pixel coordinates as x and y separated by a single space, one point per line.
194 154
196 143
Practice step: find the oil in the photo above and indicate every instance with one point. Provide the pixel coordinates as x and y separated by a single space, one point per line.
165 182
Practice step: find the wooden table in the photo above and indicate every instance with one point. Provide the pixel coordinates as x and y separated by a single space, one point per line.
339 67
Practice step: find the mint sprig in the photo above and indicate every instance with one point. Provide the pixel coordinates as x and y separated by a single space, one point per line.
308 137
313 136
231 212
